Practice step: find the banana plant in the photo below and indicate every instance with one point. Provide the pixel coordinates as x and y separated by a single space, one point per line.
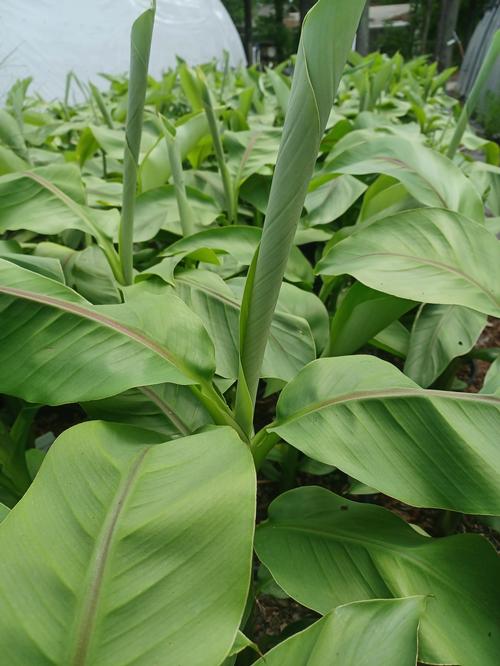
287 298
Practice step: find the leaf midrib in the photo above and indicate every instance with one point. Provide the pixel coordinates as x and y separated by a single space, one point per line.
75 207
85 620
406 552
437 264
91 315
374 394
165 408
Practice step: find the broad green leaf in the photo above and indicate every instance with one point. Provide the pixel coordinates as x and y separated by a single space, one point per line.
10 162
394 339
425 255
26 203
73 351
362 314
169 409
11 135
46 266
328 201
290 345
325 550
304 304
250 152
240 242
241 643
426 448
105 193
385 197
440 333
429 177
189 86
365 633
492 379
86 271
128 550
112 141
49 200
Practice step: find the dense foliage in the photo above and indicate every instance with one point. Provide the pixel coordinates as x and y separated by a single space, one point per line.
230 276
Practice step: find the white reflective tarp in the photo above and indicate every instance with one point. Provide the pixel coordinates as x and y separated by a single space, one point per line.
45 39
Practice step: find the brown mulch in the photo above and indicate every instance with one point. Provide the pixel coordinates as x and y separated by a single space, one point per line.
56 420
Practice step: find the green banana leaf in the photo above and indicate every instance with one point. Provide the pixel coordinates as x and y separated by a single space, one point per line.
426 448
46 266
361 315
492 379
330 197
10 162
394 339
11 136
48 200
366 633
129 550
58 348
440 334
429 177
169 409
252 151
290 345
157 209
427 255
241 242
385 197
325 550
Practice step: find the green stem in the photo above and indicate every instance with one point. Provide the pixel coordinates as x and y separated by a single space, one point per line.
217 407
262 444
227 181
186 214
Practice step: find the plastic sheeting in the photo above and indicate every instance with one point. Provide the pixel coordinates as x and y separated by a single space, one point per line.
45 39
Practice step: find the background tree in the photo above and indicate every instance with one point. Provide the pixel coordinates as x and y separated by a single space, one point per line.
446 32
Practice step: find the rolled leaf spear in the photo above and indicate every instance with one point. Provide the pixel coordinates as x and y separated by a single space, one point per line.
327 36
140 50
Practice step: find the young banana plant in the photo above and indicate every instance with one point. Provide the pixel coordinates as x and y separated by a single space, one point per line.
135 542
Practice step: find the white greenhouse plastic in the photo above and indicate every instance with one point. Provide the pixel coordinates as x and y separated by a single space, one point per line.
45 39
